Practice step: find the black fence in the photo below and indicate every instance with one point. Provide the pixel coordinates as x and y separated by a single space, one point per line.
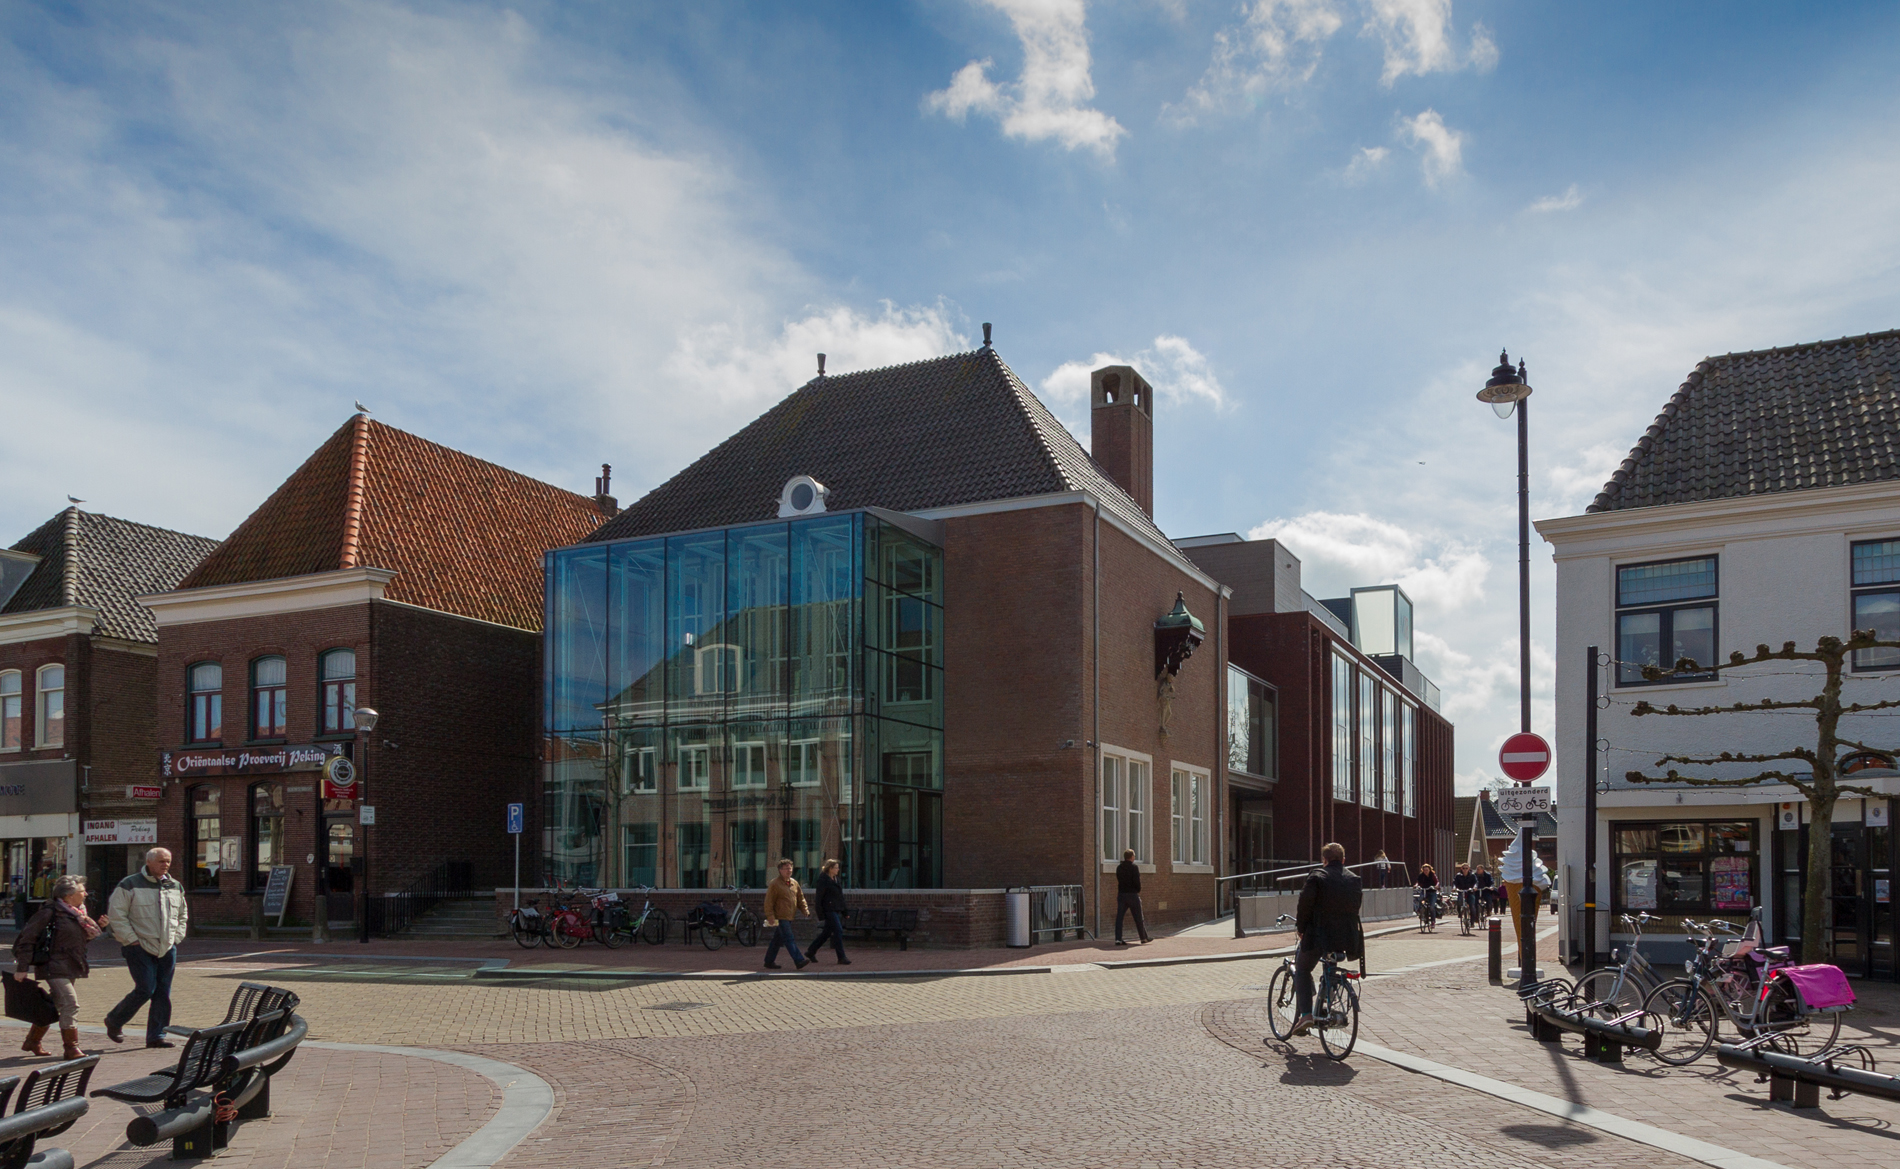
393 913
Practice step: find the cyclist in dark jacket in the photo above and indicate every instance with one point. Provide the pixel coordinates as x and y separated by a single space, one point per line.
830 913
1466 883
1487 894
1328 922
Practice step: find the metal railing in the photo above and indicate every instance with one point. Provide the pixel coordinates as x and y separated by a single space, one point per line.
1056 909
393 913
1267 884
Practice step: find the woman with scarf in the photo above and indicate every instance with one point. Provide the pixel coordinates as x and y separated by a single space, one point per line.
64 914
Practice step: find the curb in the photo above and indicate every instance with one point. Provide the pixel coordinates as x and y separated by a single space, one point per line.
1280 952
532 974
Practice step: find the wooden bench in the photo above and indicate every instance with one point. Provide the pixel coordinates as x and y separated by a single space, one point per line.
52 1101
899 923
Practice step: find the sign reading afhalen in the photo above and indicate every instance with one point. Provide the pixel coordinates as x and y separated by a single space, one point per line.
245 761
121 831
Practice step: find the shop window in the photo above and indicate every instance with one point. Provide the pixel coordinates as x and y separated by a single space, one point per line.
51 731
1685 866
641 845
339 691
269 701
1125 796
268 844
205 683
1342 728
1189 807
1877 600
204 824
10 710
748 765
1654 625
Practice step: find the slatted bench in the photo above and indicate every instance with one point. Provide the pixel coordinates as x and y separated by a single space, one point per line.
899 923
52 1101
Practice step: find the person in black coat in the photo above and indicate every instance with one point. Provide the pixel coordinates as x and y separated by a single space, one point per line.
1128 896
830 912
1328 923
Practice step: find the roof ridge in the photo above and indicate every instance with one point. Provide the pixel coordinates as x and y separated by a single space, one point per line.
354 492
1800 345
69 566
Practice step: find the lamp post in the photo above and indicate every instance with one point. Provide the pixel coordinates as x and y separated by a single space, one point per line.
366 717
1508 390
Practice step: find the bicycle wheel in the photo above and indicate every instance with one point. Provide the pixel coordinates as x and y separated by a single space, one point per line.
1687 1017
1339 1020
746 928
568 933
653 931
1797 1034
1617 995
712 937
525 935
608 929
1281 1003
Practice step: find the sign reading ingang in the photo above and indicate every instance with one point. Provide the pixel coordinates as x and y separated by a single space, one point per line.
121 831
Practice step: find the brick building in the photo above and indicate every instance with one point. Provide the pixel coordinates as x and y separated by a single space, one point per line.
78 670
905 620
388 572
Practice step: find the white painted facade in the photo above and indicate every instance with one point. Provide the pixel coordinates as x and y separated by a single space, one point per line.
1784 574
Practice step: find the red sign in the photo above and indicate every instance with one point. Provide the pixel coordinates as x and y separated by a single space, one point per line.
135 792
1524 756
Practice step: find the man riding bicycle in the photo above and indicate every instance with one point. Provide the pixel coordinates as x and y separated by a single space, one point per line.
1328 923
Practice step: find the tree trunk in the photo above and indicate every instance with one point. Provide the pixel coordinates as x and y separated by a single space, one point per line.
1814 903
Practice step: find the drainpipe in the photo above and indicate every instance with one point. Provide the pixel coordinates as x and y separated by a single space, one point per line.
1095 742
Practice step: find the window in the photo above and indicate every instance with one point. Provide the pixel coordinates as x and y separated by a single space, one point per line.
695 770
1126 784
269 703
339 691
1408 755
1389 748
748 765
205 837
1877 600
1250 711
802 846
637 772
719 669
1685 866
52 691
641 843
1654 627
268 844
10 710
695 849
748 854
1342 728
206 697
1190 791
1368 741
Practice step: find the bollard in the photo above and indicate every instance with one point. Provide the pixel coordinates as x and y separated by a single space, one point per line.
257 919
1497 951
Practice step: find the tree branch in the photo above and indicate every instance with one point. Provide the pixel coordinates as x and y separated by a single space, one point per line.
1644 706
1801 753
1673 776
1826 650
1864 707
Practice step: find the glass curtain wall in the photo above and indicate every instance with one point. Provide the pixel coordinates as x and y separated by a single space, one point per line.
719 699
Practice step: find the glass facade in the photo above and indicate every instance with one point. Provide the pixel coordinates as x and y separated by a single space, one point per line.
716 700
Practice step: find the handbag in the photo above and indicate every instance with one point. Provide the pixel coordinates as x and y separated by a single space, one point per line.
30 1002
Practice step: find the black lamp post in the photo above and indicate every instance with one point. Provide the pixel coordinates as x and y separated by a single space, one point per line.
1507 391
365 720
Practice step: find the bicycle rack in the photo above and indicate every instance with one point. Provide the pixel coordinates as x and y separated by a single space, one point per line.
1603 1039
1799 1079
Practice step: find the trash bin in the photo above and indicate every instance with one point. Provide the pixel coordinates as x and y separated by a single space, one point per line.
1016 910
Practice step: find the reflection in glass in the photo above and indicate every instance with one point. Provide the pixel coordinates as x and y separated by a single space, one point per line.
576 638
637 630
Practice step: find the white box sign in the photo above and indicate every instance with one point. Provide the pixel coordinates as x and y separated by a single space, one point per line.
121 831
1521 801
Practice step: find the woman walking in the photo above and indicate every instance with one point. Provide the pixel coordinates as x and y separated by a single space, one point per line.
71 930
830 913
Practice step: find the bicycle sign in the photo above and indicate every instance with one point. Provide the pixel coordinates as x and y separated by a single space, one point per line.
1521 801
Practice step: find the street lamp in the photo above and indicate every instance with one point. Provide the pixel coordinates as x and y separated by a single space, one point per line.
365 720
1508 390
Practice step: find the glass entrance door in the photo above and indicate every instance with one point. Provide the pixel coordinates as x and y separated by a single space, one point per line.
1880 952
340 844
1848 891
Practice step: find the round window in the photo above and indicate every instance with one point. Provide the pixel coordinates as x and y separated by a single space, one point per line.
801 497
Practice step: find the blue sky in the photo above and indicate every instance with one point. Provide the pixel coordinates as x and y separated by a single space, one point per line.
560 234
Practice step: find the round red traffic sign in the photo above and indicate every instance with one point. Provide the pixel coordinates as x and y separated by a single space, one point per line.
1524 756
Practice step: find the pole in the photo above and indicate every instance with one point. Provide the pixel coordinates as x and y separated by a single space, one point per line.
1527 891
1590 819
518 866
319 880
362 798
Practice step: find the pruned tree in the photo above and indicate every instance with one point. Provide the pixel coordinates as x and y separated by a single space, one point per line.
1820 784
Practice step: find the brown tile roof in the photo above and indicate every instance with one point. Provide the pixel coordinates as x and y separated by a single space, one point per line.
1826 414
103 562
957 429
464 536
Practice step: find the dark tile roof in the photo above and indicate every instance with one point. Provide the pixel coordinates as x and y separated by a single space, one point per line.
1820 415
102 562
464 535
949 430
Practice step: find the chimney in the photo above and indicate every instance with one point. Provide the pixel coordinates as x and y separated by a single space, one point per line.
1122 430
603 487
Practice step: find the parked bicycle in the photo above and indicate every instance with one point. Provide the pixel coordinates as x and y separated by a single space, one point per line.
1733 976
529 925
1335 1002
1617 992
614 923
716 924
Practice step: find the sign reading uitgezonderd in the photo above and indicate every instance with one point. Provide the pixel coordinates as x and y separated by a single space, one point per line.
186 763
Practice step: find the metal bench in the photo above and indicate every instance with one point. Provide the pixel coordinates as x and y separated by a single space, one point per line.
188 1105
1551 1008
249 1000
899 923
1798 1079
52 1101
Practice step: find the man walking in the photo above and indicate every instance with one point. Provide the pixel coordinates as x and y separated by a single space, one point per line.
1328 923
1128 896
784 900
147 917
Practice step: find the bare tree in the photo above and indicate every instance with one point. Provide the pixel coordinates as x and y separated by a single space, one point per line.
1820 784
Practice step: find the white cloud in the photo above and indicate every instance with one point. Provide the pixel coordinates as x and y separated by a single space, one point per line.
1276 45
1178 372
1418 39
1050 99
1570 200
719 361
1443 147
1366 162
1341 551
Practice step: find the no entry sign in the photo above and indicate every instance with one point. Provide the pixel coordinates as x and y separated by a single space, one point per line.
1524 756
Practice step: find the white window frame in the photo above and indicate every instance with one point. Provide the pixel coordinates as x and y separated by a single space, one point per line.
638 775
1127 812
802 764
16 696
748 764
718 669
695 767
40 693
1192 789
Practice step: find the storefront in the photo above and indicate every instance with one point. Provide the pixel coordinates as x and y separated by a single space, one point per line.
1859 912
719 699
39 825
240 807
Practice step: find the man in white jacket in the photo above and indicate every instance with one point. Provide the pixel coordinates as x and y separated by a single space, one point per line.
148 916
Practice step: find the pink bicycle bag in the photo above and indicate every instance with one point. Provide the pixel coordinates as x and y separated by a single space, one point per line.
1821 986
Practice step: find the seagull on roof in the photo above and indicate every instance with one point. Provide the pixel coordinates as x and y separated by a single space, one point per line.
362 409
74 499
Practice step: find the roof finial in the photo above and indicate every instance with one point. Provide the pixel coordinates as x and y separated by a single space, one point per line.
986 334
821 365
